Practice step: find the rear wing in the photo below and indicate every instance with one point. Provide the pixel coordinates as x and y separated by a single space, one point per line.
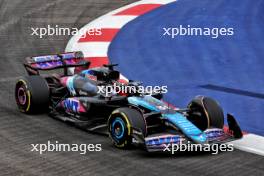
51 62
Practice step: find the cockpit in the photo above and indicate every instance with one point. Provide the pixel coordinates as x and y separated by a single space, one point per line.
106 73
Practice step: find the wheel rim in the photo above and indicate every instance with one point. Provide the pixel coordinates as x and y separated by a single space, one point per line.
21 96
118 128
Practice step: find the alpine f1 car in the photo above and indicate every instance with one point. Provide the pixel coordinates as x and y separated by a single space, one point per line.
129 119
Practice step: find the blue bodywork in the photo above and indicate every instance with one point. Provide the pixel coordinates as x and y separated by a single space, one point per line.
171 116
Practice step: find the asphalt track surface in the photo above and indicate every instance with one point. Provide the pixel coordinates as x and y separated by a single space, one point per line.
18 131
228 68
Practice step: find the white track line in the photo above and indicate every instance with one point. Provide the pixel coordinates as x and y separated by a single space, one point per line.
250 143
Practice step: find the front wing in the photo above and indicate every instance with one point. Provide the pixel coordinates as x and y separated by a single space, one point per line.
161 142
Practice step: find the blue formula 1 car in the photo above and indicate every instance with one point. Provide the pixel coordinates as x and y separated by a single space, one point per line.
128 118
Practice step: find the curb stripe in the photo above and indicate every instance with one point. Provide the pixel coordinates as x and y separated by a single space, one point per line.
112 21
107 34
139 9
92 49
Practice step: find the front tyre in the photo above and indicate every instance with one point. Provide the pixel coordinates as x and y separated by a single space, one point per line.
120 125
32 94
205 113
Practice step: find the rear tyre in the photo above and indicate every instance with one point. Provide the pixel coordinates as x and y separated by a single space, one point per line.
205 113
32 94
120 125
